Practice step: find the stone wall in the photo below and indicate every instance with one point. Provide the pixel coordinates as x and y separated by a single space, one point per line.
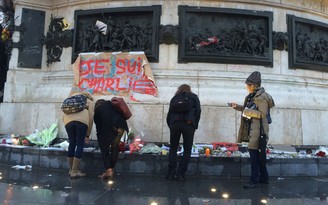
33 96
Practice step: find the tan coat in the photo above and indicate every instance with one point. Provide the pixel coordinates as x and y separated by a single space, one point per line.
85 116
263 102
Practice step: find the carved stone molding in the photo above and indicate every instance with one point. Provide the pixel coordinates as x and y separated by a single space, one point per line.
280 41
168 34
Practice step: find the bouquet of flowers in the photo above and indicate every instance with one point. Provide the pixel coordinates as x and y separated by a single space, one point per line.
5 35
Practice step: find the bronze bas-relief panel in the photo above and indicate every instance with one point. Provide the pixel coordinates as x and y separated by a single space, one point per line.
219 35
308 41
128 29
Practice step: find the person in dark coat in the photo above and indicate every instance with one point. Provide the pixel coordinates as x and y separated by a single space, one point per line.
110 126
185 124
255 122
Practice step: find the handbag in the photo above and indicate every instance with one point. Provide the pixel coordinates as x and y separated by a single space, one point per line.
120 105
262 143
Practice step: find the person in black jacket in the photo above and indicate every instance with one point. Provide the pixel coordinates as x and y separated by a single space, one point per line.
110 126
184 123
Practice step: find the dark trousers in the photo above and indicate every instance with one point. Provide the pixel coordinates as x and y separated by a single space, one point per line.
76 131
258 167
187 131
109 148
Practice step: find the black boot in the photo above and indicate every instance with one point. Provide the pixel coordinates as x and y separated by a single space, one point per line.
181 177
264 180
171 175
250 185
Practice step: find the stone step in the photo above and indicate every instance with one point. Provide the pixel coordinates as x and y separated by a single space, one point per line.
47 158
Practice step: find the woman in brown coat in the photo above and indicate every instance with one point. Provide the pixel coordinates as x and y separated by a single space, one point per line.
256 111
78 127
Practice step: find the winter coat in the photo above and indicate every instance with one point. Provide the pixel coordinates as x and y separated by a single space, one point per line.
107 120
256 107
85 116
193 115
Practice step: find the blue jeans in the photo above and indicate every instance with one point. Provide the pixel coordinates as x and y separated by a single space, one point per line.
187 131
76 131
258 167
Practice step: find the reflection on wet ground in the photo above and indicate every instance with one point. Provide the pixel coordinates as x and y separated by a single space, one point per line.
54 187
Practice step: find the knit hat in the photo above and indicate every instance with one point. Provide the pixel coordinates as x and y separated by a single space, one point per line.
254 78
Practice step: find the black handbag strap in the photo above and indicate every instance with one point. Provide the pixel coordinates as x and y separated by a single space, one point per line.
262 143
261 128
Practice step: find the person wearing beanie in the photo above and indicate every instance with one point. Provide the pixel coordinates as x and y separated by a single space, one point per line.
254 79
254 127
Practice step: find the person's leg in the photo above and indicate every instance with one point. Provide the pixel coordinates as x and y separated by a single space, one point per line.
264 176
175 134
70 129
81 131
188 139
254 157
104 142
71 132
114 151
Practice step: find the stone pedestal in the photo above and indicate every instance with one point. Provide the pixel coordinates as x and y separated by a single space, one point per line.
33 97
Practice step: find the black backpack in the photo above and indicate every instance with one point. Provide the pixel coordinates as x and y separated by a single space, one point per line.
181 103
74 104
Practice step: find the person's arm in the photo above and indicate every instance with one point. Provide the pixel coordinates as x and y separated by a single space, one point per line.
236 106
252 113
97 121
91 113
198 111
168 118
260 110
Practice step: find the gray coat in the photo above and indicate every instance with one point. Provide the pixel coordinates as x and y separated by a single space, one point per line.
250 121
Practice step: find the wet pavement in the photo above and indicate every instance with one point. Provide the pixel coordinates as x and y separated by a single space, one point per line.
55 187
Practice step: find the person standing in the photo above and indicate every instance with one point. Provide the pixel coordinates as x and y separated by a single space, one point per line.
184 123
110 126
3 66
255 122
78 127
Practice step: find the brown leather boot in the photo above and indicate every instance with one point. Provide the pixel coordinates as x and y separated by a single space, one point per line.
76 169
70 165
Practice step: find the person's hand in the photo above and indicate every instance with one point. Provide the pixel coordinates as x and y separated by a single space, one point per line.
87 140
232 104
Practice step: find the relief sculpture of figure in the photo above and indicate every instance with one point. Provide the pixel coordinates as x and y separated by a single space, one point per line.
95 43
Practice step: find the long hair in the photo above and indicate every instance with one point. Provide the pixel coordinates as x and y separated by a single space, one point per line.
99 102
184 88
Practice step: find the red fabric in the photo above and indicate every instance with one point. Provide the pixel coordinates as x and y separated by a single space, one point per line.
321 154
121 147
